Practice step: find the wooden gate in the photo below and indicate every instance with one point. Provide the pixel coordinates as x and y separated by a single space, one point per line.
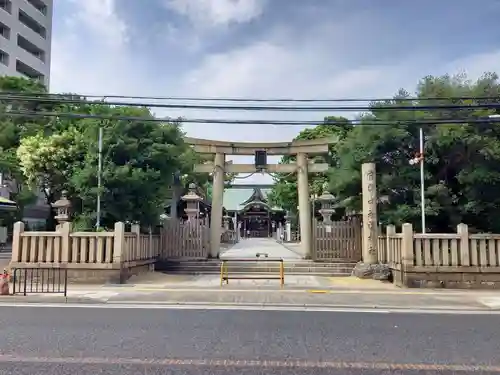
185 239
339 241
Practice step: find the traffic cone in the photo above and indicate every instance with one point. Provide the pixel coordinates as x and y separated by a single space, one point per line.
4 284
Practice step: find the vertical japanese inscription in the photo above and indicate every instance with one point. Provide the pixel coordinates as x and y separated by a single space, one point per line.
369 213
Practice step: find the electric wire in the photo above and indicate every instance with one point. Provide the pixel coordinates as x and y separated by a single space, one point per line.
43 100
423 121
264 100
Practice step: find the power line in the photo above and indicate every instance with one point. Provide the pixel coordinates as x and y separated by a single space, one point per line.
424 121
264 100
253 108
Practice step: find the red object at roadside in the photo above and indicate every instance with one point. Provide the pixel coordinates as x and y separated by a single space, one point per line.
4 284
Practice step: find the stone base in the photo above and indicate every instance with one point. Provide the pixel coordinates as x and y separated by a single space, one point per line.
449 280
86 275
376 271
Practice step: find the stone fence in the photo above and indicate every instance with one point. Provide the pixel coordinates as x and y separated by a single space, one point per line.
457 260
88 256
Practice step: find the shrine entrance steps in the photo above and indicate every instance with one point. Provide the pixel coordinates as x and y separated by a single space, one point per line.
248 248
292 267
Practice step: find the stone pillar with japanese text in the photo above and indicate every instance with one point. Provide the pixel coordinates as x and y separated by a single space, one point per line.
370 220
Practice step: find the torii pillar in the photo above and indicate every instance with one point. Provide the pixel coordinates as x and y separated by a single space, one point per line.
304 207
217 197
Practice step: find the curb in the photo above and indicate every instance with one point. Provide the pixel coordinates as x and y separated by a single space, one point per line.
7 300
299 305
228 305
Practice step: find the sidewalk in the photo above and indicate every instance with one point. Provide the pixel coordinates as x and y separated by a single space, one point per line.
299 291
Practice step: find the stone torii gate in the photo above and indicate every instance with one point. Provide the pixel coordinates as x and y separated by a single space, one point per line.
302 149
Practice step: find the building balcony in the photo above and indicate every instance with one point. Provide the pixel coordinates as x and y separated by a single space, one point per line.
35 14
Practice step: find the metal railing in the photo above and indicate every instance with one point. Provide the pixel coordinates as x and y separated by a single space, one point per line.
224 270
40 280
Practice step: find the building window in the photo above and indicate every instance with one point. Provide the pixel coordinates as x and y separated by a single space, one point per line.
28 71
32 24
26 45
6 5
4 31
39 5
4 58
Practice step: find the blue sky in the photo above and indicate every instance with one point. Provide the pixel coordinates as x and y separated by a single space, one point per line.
267 48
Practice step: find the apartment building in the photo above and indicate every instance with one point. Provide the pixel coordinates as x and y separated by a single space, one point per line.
25 38
25 47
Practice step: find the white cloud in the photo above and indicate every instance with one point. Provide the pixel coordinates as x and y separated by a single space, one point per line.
92 56
217 12
100 18
475 65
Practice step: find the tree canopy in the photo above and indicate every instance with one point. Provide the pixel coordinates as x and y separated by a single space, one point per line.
56 154
462 160
284 192
141 157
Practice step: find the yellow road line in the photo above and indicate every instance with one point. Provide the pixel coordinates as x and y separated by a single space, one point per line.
317 291
252 363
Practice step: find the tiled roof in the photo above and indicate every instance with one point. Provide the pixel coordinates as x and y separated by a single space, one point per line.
6 201
234 197
7 205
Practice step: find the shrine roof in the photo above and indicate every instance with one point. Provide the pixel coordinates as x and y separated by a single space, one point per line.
235 198
7 204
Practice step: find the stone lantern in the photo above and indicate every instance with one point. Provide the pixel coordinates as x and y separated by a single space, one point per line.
62 207
226 219
327 202
192 202
288 216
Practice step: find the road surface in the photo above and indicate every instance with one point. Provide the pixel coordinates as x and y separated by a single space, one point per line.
69 340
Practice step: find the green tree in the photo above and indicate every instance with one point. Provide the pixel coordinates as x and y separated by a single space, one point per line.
139 160
52 154
462 160
284 191
203 180
12 129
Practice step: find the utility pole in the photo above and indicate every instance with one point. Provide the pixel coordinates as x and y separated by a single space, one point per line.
99 180
419 158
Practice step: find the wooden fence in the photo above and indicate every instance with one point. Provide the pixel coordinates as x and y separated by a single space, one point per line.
338 241
185 239
92 249
455 260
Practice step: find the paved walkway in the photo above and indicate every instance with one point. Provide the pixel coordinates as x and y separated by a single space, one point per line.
225 296
248 247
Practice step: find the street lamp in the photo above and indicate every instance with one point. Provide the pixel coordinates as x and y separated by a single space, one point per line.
419 159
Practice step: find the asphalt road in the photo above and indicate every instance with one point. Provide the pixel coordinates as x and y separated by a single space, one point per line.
66 340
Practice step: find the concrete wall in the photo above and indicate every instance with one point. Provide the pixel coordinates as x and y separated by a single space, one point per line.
449 277
13 27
